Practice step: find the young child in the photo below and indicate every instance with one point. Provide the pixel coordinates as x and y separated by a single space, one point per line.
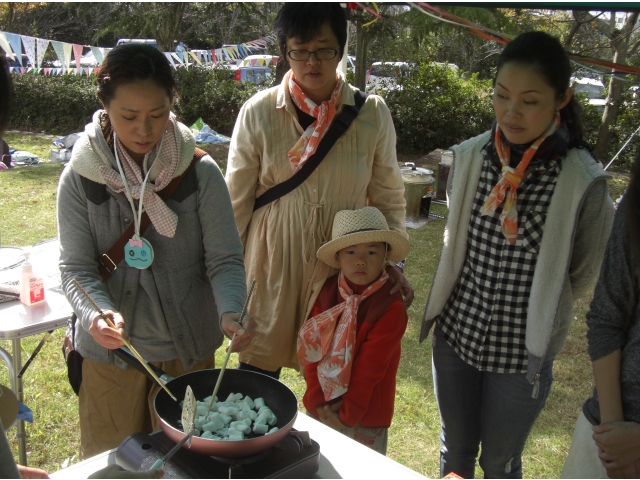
350 345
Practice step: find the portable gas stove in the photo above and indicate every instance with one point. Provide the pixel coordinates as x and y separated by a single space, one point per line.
297 456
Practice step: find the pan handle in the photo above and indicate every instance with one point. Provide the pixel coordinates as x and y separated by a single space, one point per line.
125 355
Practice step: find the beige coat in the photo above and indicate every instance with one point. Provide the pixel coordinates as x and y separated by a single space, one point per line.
281 239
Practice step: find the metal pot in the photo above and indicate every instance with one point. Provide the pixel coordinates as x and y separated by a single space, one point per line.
418 183
280 399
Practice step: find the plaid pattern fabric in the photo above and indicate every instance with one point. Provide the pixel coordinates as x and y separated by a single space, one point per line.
163 219
484 320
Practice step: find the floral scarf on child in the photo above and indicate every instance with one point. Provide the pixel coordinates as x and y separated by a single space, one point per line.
330 337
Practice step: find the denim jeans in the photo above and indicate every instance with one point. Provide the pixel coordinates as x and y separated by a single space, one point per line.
495 410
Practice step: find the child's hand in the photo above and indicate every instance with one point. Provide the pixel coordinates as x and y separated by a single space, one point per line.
335 407
331 418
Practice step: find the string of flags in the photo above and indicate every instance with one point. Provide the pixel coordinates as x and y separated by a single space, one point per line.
35 48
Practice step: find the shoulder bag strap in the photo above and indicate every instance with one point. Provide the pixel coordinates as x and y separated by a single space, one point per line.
108 262
339 126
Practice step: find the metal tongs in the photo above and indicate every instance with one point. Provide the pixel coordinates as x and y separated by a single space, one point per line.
187 417
226 359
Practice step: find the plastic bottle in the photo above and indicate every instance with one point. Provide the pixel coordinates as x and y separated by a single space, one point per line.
31 285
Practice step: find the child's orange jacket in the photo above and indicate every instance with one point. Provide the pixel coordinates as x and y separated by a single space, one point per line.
382 321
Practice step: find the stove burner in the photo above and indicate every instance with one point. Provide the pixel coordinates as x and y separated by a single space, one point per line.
297 456
246 460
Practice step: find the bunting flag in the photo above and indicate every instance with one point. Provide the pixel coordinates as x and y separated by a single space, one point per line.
170 58
42 49
30 48
63 51
4 43
35 50
98 54
193 55
77 53
16 45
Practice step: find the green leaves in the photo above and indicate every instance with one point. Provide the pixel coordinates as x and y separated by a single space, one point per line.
435 108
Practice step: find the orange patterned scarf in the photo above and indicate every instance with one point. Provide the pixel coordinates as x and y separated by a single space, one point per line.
505 190
330 337
324 113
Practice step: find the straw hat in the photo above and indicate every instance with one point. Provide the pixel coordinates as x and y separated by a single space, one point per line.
366 225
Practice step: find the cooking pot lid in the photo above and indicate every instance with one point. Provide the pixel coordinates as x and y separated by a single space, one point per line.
412 174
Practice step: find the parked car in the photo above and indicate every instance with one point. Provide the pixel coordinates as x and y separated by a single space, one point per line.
148 41
351 63
383 76
255 68
593 89
12 61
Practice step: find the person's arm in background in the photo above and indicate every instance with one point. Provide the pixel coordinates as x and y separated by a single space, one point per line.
608 321
243 169
590 240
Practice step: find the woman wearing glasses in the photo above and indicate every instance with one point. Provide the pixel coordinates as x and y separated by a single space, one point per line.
276 131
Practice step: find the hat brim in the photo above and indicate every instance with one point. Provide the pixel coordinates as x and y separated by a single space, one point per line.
399 245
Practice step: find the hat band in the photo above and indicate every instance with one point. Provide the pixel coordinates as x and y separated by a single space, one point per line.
363 230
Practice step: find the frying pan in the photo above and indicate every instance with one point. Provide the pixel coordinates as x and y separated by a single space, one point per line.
277 396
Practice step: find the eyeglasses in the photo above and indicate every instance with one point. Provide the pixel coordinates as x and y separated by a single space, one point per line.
303 55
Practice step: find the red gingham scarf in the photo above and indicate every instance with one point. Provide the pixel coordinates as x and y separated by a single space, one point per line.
162 217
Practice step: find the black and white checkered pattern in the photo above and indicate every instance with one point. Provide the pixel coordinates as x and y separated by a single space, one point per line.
485 317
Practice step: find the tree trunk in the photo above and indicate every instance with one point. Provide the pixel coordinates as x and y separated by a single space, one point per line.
361 57
621 45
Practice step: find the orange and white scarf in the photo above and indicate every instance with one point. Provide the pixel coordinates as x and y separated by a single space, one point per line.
330 337
324 113
506 188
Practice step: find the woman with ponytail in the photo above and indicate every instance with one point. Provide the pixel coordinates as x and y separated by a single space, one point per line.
529 218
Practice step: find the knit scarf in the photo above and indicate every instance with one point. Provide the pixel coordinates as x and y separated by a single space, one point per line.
505 190
330 337
324 113
162 217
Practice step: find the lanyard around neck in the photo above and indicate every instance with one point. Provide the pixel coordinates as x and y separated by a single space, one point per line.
137 218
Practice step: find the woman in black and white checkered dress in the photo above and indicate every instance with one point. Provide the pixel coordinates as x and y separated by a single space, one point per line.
529 217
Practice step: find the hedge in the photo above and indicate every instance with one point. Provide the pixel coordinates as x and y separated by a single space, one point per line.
64 104
432 108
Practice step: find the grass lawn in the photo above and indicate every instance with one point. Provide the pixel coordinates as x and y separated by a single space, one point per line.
27 212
